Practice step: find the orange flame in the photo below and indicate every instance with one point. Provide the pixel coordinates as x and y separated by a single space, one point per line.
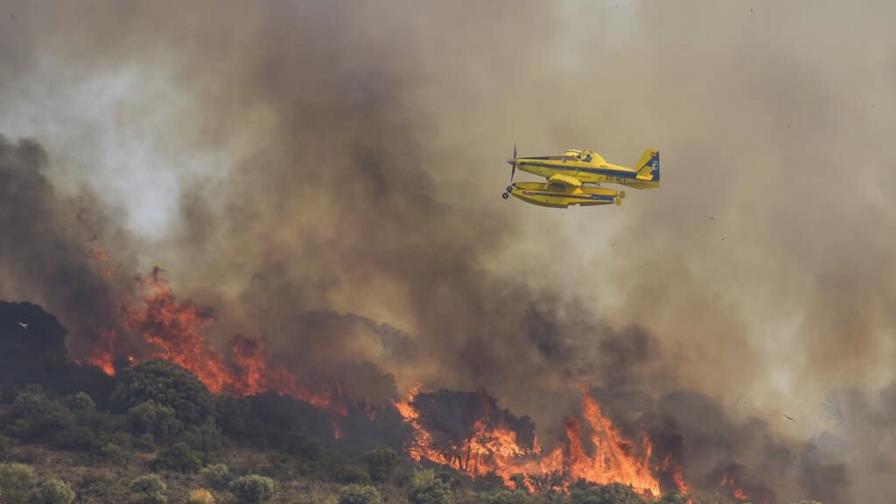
496 450
737 493
176 330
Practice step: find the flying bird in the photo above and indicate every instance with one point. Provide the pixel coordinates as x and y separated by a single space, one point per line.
24 325
790 418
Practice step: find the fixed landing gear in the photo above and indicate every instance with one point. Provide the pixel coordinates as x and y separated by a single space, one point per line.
505 195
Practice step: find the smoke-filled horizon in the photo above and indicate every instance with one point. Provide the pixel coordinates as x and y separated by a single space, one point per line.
327 176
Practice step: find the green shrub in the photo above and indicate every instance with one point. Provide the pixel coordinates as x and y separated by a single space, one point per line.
6 446
381 463
352 474
150 417
359 494
507 497
16 482
614 493
427 489
34 417
673 498
252 489
217 476
75 437
148 489
178 457
166 384
80 402
52 491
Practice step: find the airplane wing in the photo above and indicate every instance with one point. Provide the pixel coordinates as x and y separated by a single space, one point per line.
564 180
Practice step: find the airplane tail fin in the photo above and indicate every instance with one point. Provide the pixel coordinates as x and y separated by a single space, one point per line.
649 166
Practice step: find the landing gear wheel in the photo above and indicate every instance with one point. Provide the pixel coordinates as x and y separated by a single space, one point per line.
509 188
505 195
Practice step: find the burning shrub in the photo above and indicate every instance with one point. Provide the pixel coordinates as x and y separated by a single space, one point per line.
16 482
359 494
252 489
52 491
217 476
427 489
148 489
381 463
179 457
165 384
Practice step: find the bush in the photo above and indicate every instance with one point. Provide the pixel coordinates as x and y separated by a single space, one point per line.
352 474
252 489
149 489
359 494
52 491
75 438
200 496
614 493
34 417
381 463
16 482
157 420
427 489
217 476
674 498
507 497
178 457
166 384
80 402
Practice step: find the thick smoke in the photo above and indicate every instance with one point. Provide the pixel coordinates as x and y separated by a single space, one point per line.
326 175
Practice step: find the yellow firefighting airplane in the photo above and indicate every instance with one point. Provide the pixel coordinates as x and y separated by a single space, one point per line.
567 176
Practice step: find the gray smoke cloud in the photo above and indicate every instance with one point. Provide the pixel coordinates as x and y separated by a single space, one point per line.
326 175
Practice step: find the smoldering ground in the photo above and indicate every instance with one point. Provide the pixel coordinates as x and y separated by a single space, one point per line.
326 175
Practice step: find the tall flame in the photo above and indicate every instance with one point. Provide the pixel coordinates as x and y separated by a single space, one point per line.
497 450
175 330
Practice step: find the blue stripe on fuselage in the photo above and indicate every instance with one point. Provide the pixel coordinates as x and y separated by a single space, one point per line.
597 171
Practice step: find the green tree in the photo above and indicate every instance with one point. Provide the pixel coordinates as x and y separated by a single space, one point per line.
148 489
359 494
166 384
614 493
178 457
16 482
427 489
381 463
252 489
216 475
52 491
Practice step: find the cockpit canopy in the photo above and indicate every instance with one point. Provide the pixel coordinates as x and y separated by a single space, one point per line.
582 155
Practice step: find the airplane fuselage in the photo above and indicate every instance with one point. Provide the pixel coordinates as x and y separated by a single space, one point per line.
594 172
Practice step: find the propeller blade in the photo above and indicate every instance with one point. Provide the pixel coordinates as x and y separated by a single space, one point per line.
513 164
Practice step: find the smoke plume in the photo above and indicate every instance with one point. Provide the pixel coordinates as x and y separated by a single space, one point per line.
325 176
